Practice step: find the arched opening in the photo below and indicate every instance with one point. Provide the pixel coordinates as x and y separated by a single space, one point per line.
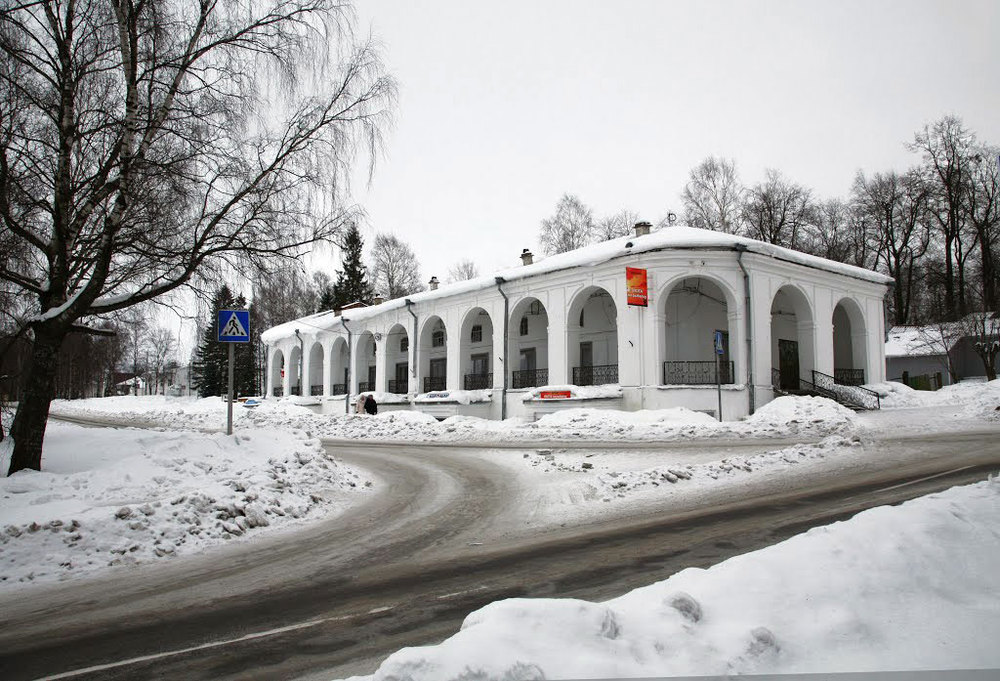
364 362
528 344
592 328
398 359
277 367
340 360
850 355
316 369
294 370
792 346
696 317
434 355
476 348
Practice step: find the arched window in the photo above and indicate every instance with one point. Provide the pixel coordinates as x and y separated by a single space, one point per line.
404 344
437 338
524 326
477 334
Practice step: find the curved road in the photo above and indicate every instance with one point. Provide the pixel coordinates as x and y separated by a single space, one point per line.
403 568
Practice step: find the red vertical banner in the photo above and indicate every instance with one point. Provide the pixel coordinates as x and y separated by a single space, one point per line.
635 286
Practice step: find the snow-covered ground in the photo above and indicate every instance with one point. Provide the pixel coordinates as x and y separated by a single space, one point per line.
783 417
895 588
109 497
832 599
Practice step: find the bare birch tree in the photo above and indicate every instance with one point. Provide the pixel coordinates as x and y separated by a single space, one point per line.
946 146
463 270
571 227
143 143
394 269
777 211
897 206
620 224
713 196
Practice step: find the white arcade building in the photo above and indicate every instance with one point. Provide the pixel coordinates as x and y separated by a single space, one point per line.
571 330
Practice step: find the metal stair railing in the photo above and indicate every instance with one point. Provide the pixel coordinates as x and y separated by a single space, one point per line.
853 396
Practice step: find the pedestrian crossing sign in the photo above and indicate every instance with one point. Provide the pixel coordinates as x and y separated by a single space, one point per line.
234 326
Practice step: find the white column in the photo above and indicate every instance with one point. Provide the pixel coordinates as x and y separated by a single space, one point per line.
823 316
381 356
559 373
453 342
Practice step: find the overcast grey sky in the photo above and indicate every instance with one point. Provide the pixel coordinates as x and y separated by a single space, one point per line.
505 106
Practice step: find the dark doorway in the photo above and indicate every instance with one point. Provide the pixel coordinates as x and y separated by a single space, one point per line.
401 369
788 364
586 354
528 360
439 368
480 364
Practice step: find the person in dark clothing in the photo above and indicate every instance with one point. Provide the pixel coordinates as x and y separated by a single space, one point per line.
371 406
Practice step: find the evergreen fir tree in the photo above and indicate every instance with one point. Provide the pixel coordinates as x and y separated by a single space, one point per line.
210 370
352 282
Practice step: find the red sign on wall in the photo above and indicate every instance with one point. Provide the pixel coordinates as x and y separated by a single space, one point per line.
636 289
555 394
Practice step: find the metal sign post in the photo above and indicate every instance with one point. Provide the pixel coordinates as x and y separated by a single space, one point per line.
233 327
718 375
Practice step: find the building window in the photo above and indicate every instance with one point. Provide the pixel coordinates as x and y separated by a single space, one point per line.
404 344
581 319
477 333
437 339
524 326
374 349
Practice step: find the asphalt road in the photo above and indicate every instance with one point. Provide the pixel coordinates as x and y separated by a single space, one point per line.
406 567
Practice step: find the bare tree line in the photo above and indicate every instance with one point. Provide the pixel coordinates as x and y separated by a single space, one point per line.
934 228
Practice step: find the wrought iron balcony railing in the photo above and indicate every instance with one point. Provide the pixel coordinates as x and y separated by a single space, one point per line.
434 383
338 389
697 373
529 378
295 390
478 381
601 374
316 390
399 387
279 391
365 386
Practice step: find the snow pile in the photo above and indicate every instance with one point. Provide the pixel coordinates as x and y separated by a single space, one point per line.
895 395
386 398
783 417
801 415
460 396
125 496
619 422
577 392
619 483
986 403
905 587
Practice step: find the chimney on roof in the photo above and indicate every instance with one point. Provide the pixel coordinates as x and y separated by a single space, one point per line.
378 300
642 228
433 283
526 257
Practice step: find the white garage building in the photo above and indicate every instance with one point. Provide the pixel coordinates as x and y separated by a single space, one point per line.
488 346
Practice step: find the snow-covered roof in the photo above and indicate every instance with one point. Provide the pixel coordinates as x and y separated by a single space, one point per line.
918 341
676 237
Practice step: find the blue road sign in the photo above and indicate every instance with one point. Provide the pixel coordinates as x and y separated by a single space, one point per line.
234 326
719 350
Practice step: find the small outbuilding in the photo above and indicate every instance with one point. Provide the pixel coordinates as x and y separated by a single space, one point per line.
638 322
